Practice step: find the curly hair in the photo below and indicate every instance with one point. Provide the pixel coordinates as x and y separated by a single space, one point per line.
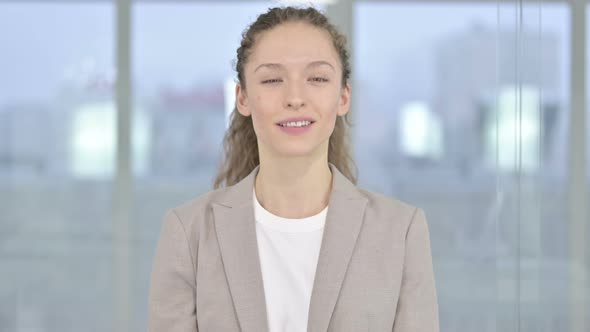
240 146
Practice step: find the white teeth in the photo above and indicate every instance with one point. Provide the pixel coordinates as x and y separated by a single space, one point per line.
295 124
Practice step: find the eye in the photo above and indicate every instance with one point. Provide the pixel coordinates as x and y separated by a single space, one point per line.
319 79
270 81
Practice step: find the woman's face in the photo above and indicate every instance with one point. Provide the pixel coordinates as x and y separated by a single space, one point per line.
293 71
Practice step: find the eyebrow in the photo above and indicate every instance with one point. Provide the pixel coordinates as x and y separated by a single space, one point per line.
279 66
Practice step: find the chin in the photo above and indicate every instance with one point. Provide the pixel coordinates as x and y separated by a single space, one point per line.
295 153
292 151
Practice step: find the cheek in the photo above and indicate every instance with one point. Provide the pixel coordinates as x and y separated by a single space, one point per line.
331 114
264 103
330 108
262 116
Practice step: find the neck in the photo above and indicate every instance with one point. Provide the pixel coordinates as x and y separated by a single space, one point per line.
295 188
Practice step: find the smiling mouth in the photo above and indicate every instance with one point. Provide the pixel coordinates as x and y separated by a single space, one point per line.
285 126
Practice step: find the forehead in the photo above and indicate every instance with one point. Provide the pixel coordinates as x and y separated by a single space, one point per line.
293 43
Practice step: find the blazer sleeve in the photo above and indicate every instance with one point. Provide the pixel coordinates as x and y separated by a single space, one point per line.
172 299
417 307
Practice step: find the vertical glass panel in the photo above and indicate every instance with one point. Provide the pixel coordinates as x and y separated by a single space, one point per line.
184 89
56 165
466 116
532 153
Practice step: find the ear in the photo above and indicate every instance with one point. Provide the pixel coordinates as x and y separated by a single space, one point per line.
344 100
242 101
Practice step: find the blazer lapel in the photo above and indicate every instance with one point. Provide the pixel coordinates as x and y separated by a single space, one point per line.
343 223
236 231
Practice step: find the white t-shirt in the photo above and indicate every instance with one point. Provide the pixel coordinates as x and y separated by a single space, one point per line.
289 250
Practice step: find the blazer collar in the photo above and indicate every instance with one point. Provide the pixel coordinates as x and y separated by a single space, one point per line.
233 212
241 192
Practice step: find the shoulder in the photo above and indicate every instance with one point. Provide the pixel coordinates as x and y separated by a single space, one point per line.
389 208
381 201
192 212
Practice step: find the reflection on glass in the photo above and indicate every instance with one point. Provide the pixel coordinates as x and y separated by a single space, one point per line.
421 135
93 141
466 117
523 132
94 138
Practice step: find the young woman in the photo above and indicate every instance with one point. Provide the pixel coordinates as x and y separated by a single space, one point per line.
290 243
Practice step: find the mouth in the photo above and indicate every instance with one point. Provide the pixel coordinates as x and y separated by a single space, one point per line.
296 129
299 125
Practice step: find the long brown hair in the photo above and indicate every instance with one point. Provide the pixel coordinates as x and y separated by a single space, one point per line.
239 143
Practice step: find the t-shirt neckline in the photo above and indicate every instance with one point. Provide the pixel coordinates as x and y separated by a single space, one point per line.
281 224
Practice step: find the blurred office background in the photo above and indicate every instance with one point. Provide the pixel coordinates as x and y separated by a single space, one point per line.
113 111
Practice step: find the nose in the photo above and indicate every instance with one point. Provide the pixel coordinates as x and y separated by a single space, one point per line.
294 99
295 103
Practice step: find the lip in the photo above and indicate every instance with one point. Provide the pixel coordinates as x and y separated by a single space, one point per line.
299 118
296 130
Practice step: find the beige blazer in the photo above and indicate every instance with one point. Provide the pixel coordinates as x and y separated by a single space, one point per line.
374 269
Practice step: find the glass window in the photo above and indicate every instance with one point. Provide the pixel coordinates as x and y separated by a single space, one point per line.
462 109
56 150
